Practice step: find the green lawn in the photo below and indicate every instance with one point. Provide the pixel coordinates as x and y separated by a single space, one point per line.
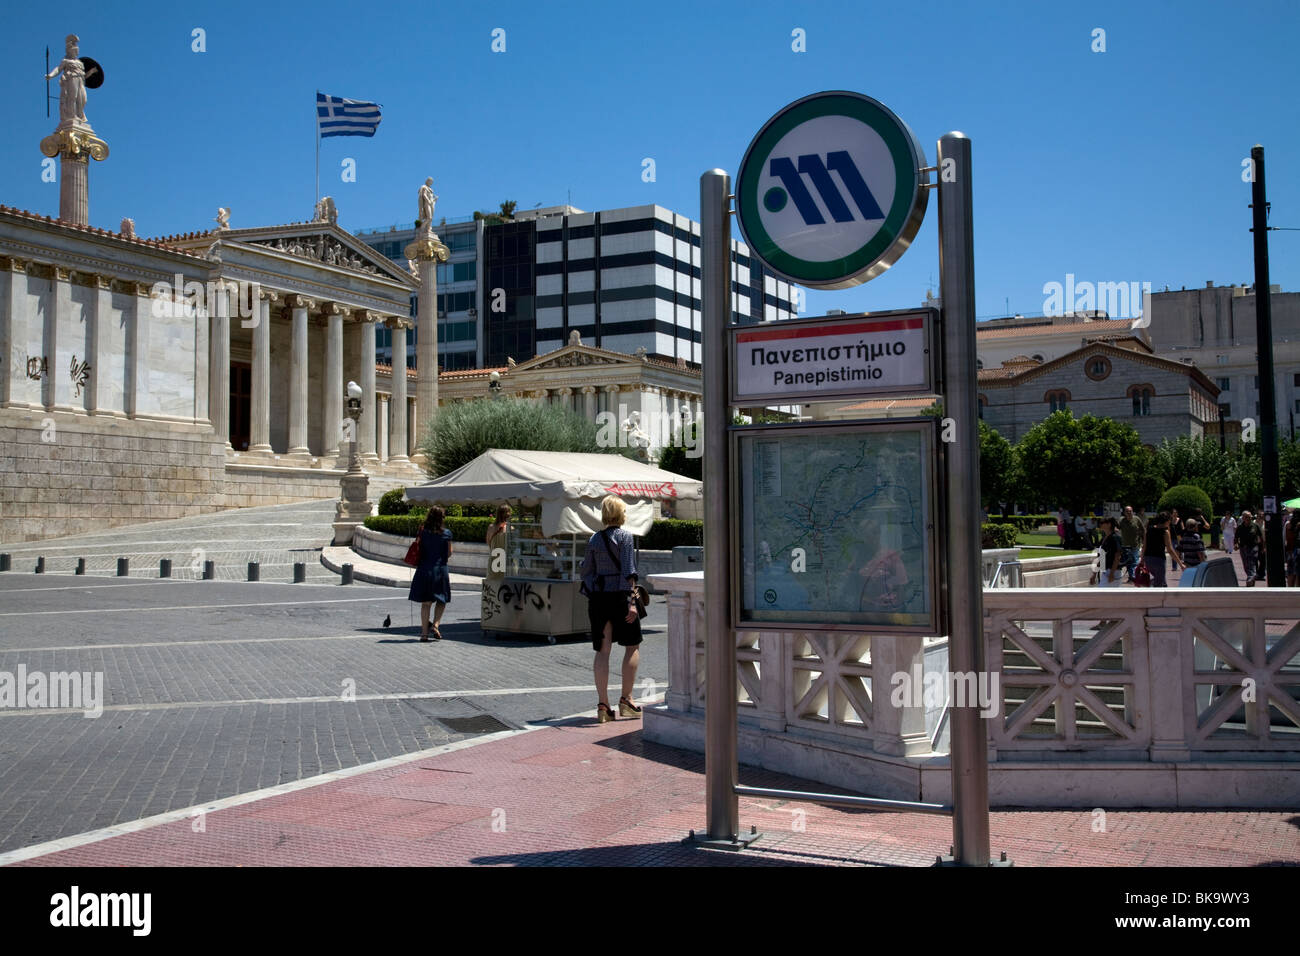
1032 539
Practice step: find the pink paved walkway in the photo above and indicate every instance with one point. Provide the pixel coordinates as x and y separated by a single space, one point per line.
580 793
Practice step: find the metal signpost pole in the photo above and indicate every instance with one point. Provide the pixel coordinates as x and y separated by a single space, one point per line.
721 772
1267 397
969 750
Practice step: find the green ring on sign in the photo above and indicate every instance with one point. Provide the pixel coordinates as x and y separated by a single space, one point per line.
902 151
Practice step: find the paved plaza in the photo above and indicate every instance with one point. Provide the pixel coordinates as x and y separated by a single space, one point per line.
216 688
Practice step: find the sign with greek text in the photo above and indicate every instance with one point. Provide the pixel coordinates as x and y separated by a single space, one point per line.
809 360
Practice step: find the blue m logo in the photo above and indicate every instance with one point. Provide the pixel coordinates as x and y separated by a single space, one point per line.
811 165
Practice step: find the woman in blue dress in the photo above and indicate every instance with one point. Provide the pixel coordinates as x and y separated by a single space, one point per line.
431 582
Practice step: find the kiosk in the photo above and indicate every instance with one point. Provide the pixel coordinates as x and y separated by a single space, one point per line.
532 583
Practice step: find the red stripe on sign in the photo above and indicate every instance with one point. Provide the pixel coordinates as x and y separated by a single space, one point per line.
853 328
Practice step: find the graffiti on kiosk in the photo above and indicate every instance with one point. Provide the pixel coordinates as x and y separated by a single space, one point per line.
522 593
638 489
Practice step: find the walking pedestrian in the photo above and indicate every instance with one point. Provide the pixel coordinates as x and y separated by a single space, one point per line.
1131 532
1291 544
1191 546
431 583
1158 544
1248 542
1112 553
1228 524
609 578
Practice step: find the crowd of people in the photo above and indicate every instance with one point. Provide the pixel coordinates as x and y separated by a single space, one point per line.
1134 551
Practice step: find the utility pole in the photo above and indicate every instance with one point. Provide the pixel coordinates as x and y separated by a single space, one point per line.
1267 398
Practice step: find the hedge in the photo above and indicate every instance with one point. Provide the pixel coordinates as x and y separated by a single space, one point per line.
462 529
1187 499
998 535
668 533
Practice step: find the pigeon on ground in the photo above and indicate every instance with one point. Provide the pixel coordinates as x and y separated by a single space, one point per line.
388 619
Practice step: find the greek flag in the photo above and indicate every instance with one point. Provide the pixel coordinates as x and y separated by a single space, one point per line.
336 116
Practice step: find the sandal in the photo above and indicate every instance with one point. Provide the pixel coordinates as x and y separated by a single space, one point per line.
628 709
604 713
424 638
437 634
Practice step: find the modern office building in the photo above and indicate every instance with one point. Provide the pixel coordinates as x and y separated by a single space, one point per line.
624 279
459 307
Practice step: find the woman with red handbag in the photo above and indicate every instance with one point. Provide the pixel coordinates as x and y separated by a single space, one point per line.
431 582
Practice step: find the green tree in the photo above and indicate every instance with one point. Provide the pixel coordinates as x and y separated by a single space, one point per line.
999 469
1082 462
508 209
462 432
685 459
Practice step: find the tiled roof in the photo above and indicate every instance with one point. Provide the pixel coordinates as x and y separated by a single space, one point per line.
94 231
887 403
1098 327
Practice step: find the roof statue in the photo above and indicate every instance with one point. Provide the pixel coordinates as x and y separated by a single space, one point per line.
72 86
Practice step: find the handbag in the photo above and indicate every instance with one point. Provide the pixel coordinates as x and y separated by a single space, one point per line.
413 552
1142 576
640 596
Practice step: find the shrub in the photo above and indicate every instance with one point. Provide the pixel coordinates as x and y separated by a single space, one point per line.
472 530
394 502
460 433
668 533
998 535
1187 499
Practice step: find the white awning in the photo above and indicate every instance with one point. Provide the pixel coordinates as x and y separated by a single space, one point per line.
568 486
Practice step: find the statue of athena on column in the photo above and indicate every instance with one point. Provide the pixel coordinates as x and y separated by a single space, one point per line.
72 86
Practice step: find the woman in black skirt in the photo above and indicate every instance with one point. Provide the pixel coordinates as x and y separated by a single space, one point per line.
431 582
609 570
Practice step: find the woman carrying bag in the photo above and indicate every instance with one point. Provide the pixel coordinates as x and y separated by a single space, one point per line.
431 583
609 581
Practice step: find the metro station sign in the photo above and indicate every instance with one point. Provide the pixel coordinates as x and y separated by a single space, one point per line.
830 193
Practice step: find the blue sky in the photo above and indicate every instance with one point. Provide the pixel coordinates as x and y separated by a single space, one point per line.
1116 166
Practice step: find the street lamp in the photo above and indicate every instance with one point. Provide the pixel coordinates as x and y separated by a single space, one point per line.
353 505
494 384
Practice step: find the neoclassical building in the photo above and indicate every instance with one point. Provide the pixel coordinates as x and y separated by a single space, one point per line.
153 378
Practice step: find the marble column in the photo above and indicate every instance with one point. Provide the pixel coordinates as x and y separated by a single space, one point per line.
219 365
333 384
13 338
611 404
589 402
302 305
382 422
137 344
96 356
369 399
61 302
259 419
564 398
398 447
426 251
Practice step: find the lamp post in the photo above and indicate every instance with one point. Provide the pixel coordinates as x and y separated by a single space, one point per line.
353 506
494 385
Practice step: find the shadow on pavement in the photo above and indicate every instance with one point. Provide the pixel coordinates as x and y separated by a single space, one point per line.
642 854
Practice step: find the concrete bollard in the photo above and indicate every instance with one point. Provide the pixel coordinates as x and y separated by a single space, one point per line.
123 567
165 568
347 574
299 572
4 562
81 566
209 570
254 571
40 565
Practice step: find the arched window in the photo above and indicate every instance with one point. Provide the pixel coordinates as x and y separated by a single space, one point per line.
1141 395
1097 367
983 403
1058 399
979 363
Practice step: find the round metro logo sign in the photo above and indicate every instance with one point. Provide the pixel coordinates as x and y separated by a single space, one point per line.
829 193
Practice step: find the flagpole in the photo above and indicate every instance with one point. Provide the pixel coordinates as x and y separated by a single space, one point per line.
317 199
